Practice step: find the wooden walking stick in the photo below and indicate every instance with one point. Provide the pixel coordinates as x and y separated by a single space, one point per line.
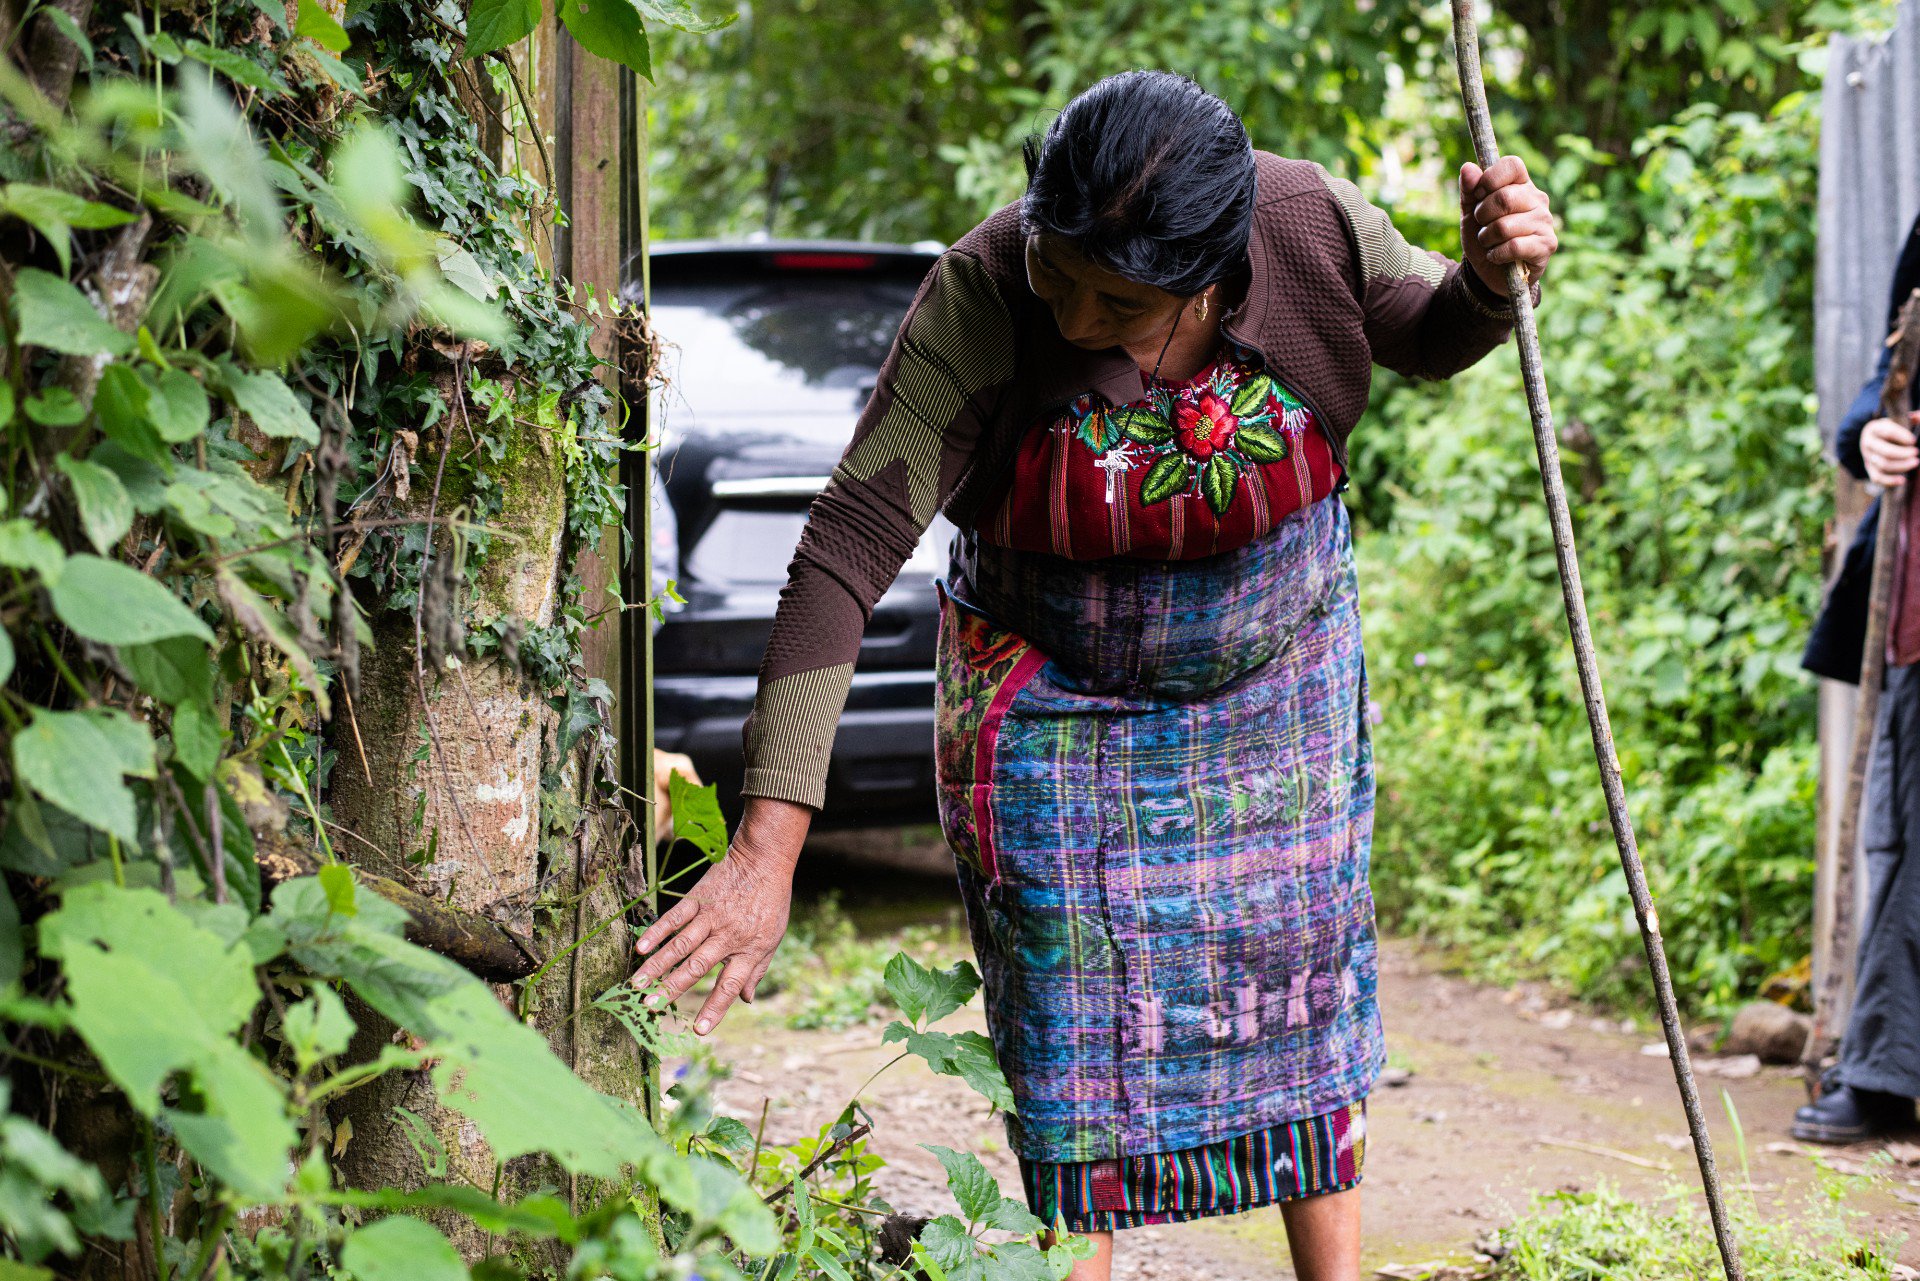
1473 92
1896 402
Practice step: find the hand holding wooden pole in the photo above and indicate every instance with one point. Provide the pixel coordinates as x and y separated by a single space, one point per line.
1473 91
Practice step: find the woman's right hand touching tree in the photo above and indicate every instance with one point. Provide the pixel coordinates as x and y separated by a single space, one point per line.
735 916
1889 450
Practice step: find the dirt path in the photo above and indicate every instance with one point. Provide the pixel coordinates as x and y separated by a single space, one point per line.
1507 1096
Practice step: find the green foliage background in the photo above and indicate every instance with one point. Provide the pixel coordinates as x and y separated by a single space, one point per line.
1677 141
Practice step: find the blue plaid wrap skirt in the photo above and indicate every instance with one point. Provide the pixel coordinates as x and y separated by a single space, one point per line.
1157 780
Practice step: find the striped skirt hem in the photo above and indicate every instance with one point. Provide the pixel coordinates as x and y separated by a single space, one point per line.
1284 1162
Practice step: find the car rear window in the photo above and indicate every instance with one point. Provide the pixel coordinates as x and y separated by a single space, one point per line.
780 346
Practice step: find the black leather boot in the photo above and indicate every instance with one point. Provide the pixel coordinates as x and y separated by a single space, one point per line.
1847 1115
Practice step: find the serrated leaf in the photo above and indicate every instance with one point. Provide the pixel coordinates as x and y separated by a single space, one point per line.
610 29
275 410
696 816
25 546
399 1248
77 761
729 1134
1167 477
923 993
1261 443
966 1055
154 996
1218 476
973 1188
106 513
1143 425
51 313
1012 1216
495 24
116 604
947 1241
1250 397
320 27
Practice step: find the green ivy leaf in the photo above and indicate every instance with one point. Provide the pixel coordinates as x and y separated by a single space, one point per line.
53 314
106 513
1250 397
116 604
968 1180
696 816
25 546
495 24
1261 443
932 994
679 15
400 1248
1143 425
1167 477
1218 476
320 27
76 760
610 29
275 410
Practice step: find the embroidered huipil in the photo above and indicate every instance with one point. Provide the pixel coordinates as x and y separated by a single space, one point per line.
1155 772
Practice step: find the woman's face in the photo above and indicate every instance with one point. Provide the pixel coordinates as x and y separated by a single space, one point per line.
1095 308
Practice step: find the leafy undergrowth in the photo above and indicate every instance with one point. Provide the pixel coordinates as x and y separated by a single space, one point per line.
828 975
1604 1236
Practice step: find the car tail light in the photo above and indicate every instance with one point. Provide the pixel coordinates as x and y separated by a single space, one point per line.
817 261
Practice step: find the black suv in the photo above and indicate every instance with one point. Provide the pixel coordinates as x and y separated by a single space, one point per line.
772 349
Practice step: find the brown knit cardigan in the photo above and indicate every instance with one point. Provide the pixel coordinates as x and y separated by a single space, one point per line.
1334 290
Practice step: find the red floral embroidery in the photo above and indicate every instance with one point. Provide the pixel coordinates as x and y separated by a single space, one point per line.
1204 429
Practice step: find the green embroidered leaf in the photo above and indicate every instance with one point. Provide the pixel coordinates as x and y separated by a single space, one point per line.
1143 425
1217 481
1165 478
1097 431
1251 398
1261 443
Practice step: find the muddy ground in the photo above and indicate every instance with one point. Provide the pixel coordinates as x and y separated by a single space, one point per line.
1508 1093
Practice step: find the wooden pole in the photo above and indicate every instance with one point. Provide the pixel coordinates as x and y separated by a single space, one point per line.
1473 92
1836 977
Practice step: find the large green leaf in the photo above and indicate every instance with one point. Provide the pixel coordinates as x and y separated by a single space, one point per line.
53 213
495 24
106 512
967 1055
122 404
155 995
696 815
1143 425
175 671
1260 443
972 1187
177 404
1250 397
611 29
116 604
928 994
275 410
77 760
321 27
53 314
401 1249
680 15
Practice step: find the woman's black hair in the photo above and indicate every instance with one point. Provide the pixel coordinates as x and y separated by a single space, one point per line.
1150 176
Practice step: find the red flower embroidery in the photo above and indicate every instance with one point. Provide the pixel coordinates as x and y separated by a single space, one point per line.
1206 429
986 646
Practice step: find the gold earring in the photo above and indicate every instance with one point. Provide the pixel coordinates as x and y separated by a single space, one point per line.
1200 308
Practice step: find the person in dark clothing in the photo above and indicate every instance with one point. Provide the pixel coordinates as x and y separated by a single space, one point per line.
1871 1090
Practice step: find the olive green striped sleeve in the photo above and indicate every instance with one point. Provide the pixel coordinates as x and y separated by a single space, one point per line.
953 353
